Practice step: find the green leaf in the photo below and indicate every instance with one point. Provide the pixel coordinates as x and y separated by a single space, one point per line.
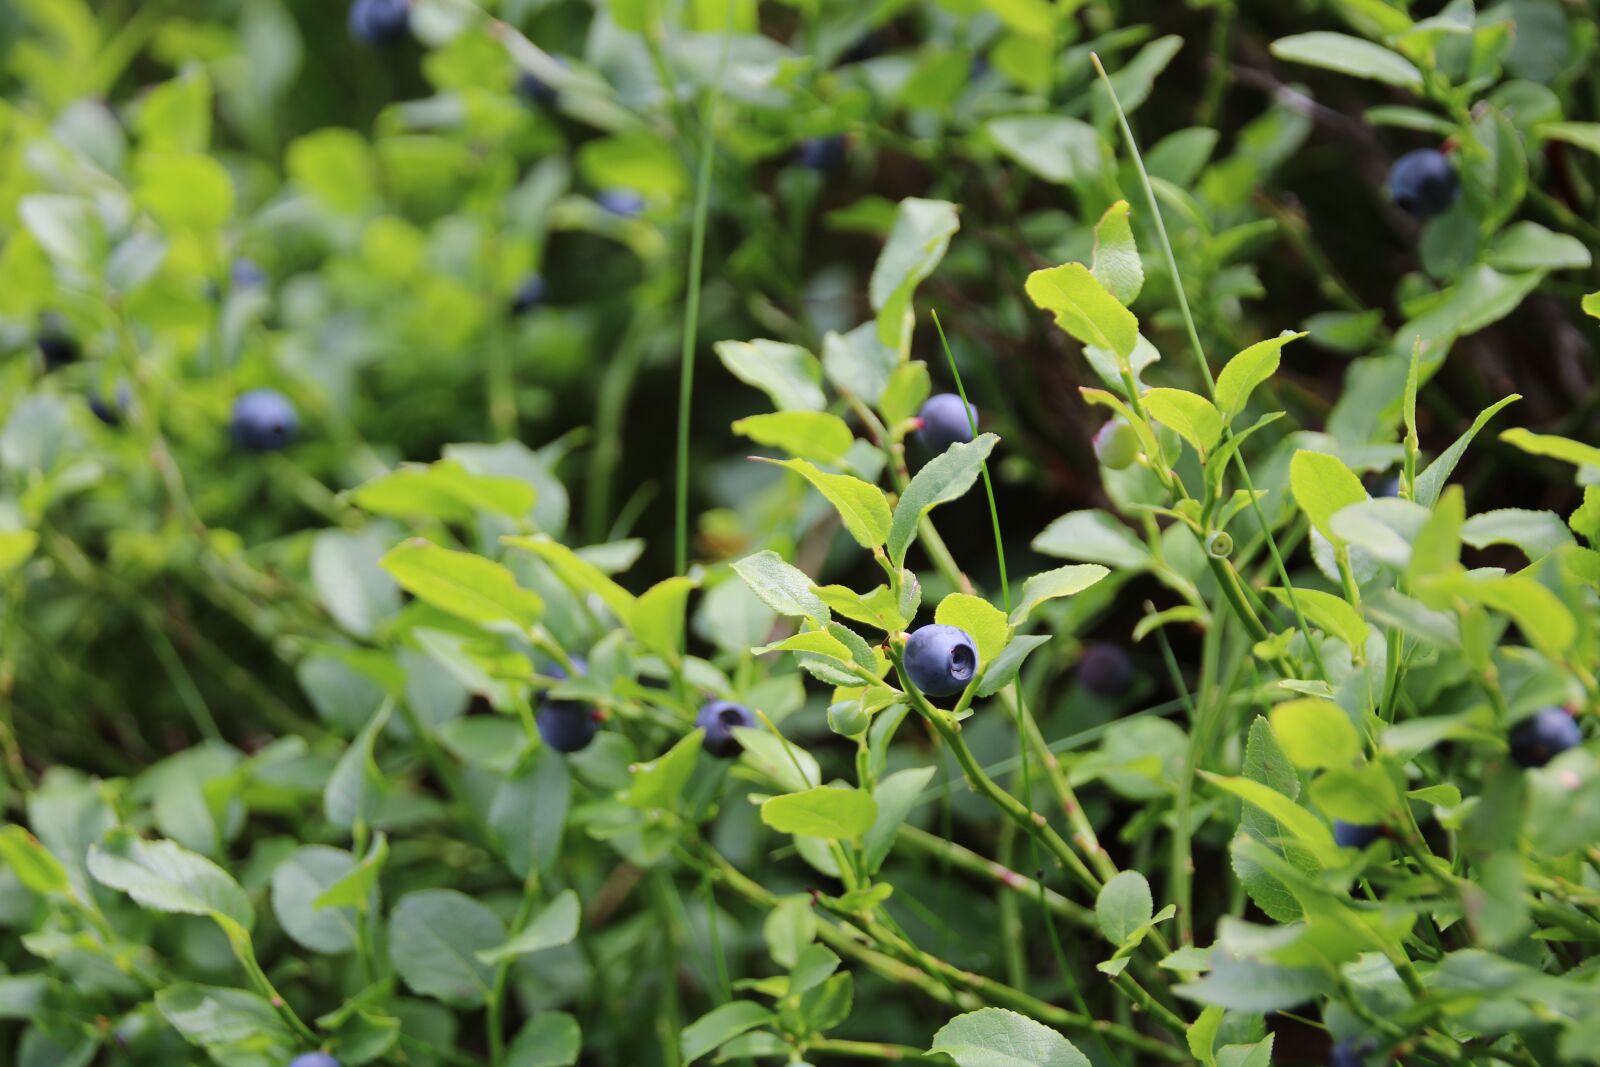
1116 257
234 1026
549 1039
1362 795
633 159
783 588
529 813
298 882
1315 733
1541 616
15 548
813 435
921 234
1050 585
1191 415
657 618
1591 304
863 507
859 365
1322 484
462 584
1095 537
721 1024
555 925
1349 55
1430 483
1057 148
1584 135
1084 308
659 783
435 936
335 166
577 572
895 796
878 608
942 479
1332 614
1537 533
184 190
37 870
1544 444
355 888
1265 762
162 876
905 393
997 1037
1530 246
1123 906
788 374
823 811
1000 672
816 642
1297 821
982 620
444 490
356 786
1246 371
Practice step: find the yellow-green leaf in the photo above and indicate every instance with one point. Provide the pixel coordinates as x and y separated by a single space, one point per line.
577 572
1247 370
1331 614
1084 308
1315 733
863 507
814 435
1191 415
657 616
1322 484
1063 581
469 586
982 620
825 812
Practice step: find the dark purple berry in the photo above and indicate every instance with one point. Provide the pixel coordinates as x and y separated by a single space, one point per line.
314 1059
379 22
110 412
566 725
529 295
941 660
1105 670
1542 736
944 421
822 153
246 274
56 345
624 203
1423 183
719 718
1354 835
263 421
535 89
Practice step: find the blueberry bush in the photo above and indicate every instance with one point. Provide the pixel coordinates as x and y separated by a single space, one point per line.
996 533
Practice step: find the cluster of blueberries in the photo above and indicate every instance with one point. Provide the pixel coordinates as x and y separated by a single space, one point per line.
569 725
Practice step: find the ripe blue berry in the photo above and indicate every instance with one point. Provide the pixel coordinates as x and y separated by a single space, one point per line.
1423 183
718 718
624 203
246 274
535 90
944 420
529 295
1388 487
1542 736
110 412
263 421
379 21
314 1059
822 153
566 725
1116 446
1348 1054
1354 835
1105 670
941 660
56 345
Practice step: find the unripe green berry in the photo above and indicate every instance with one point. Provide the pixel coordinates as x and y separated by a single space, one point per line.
848 718
1116 446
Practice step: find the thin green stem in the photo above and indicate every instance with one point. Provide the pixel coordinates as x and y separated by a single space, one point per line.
691 316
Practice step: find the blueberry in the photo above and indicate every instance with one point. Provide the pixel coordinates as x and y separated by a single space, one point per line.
1116 446
1543 736
941 660
566 725
1105 669
1347 1054
1423 183
944 420
718 718
535 90
1388 487
56 345
379 21
246 274
529 295
979 68
870 46
263 421
624 203
313 1059
110 412
1354 835
822 153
